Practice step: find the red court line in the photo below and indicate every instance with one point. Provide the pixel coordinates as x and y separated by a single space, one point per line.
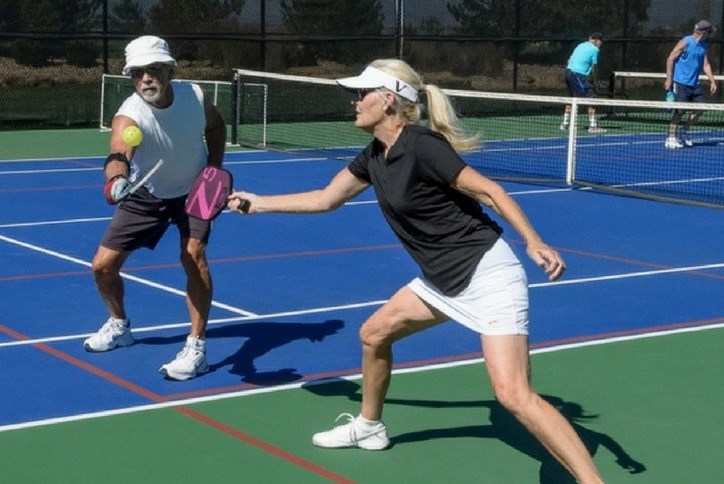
613 258
199 417
212 262
635 262
457 358
263 445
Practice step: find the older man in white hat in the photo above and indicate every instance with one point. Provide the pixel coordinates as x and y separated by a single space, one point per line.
180 125
683 66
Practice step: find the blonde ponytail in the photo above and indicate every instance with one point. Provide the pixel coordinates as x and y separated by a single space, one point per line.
441 114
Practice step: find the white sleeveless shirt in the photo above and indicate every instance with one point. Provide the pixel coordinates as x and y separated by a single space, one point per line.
174 133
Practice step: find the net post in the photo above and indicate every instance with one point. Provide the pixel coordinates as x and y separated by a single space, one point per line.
571 154
103 94
235 108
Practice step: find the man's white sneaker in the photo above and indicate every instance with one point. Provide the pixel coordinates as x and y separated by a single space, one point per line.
563 127
190 362
353 434
113 334
686 140
596 129
673 144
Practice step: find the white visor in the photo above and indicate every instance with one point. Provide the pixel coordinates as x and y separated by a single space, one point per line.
372 78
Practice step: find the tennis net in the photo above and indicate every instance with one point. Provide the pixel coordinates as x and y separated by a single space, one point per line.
644 85
523 139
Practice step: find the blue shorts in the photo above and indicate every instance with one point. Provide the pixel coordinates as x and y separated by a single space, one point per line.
687 94
577 84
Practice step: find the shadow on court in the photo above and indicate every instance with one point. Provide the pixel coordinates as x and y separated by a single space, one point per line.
503 426
260 339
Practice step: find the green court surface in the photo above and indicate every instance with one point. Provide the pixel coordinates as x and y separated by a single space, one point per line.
650 404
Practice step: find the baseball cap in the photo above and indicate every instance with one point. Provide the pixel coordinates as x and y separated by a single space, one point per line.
704 26
147 50
373 78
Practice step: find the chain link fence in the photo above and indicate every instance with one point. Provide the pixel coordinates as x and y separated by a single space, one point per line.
53 54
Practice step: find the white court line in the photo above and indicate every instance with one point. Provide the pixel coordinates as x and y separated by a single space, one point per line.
291 386
227 212
48 170
130 277
99 168
256 317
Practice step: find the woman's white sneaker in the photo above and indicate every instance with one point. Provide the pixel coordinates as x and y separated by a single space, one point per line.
354 433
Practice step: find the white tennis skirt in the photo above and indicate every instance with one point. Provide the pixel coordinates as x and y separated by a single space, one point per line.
496 300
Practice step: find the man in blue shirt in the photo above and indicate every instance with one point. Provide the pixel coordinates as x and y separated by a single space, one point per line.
683 67
578 71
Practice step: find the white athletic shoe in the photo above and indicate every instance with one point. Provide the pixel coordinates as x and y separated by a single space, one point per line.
190 362
353 434
686 140
596 129
673 144
563 127
113 334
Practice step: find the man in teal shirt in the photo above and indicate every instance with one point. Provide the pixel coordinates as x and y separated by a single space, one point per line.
578 72
683 67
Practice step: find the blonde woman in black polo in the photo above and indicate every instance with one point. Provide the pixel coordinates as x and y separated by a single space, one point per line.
432 201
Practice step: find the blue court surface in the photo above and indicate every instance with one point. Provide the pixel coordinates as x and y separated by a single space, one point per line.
291 291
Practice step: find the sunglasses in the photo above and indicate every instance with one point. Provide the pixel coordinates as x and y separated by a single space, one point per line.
361 93
153 71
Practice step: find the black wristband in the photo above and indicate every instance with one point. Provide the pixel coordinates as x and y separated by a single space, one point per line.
117 157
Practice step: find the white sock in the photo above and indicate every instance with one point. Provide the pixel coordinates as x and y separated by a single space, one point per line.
367 423
196 343
592 121
122 322
566 119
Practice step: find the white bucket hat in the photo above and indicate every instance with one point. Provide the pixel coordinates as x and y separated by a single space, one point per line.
145 51
373 78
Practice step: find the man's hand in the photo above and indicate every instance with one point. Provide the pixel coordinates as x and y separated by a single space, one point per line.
115 189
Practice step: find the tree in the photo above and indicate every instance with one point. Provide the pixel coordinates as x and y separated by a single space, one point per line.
547 18
127 16
193 16
333 18
64 17
9 13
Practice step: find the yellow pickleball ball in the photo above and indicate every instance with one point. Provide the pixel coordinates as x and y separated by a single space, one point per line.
132 136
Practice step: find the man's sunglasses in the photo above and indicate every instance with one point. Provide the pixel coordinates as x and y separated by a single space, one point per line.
153 71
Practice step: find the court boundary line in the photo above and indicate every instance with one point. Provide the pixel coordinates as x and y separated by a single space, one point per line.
248 315
257 317
130 277
709 325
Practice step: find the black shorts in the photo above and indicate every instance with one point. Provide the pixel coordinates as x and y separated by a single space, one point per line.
577 84
141 220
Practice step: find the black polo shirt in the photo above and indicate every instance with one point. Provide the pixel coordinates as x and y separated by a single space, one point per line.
445 231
